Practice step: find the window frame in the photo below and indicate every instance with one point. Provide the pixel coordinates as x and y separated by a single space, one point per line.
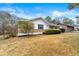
40 26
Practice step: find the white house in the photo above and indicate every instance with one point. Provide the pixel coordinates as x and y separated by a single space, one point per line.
41 24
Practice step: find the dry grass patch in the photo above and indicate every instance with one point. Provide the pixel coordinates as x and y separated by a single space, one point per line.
43 45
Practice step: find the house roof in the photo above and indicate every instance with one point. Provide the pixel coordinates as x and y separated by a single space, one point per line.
65 25
40 19
50 24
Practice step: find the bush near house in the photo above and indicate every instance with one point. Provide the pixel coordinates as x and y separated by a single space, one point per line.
25 26
52 31
62 30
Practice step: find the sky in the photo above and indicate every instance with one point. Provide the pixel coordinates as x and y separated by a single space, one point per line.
34 10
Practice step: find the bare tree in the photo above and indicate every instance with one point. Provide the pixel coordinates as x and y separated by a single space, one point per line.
68 21
56 20
7 24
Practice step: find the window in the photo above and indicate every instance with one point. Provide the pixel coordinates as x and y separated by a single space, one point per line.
40 26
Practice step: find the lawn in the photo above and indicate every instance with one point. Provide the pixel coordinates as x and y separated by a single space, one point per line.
66 44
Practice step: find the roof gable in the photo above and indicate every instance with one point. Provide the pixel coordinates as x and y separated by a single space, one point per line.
40 19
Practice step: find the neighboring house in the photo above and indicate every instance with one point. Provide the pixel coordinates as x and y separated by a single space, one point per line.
70 28
76 27
67 27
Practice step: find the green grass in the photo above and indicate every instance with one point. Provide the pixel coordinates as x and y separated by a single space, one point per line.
66 44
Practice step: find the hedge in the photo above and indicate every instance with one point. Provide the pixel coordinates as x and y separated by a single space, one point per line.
62 30
52 31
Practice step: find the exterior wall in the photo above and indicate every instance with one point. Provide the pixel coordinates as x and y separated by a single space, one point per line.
76 28
67 28
36 22
63 26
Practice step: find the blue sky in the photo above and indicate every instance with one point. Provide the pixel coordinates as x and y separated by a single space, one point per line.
33 10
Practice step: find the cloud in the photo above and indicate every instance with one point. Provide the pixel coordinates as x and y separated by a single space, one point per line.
40 15
8 9
57 13
68 13
24 13
16 11
21 13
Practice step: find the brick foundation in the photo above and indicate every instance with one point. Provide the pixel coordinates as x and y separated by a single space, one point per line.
36 30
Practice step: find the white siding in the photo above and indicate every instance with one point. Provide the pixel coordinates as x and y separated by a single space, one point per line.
36 22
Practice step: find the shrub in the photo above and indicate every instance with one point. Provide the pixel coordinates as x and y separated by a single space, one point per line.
27 26
52 31
62 30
